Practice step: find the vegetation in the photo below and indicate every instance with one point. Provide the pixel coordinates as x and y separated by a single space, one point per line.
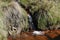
13 19
45 14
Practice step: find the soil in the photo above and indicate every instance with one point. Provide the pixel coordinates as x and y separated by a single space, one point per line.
49 35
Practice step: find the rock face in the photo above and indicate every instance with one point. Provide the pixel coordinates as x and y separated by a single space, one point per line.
14 19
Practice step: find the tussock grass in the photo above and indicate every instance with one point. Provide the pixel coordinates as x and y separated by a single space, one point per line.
45 12
6 10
